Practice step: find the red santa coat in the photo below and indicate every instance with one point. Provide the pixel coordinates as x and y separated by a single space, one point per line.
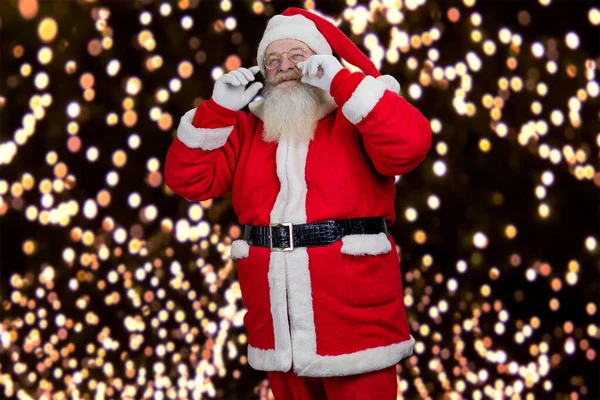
332 310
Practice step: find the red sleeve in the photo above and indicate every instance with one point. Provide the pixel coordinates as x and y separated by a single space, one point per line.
202 159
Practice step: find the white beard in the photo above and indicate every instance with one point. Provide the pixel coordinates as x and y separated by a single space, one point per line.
291 112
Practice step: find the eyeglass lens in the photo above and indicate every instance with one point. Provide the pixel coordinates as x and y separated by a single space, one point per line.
273 60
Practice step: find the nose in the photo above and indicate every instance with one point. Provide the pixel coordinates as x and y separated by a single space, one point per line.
286 65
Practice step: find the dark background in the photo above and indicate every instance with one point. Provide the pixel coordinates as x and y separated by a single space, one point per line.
480 192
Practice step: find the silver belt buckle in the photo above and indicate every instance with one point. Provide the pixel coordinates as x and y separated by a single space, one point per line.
291 233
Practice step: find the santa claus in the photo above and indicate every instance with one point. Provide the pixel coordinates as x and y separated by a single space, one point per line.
312 169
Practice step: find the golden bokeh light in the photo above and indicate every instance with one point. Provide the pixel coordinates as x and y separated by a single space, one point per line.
47 30
185 69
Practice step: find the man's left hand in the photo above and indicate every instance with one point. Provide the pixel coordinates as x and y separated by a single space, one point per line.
319 70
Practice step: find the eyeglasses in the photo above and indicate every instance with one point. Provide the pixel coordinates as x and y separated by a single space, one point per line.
296 55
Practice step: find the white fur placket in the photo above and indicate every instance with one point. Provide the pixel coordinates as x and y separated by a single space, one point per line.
289 207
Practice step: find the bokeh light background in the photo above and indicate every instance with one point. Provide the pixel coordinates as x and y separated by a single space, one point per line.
114 287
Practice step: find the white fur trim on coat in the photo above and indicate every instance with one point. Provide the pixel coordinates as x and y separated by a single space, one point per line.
390 83
203 138
362 245
366 95
239 249
292 27
269 360
280 358
290 204
359 362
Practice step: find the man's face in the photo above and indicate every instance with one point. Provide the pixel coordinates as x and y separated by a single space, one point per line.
284 55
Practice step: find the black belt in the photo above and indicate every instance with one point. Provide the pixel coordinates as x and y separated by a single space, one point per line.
287 236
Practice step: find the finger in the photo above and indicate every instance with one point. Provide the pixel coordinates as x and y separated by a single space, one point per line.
255 69
247 74
312 72
238 75
300 66
305 65
252 91
230 80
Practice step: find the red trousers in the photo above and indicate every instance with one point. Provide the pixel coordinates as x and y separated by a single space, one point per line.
377 385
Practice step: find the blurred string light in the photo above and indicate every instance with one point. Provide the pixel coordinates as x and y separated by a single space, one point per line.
42 327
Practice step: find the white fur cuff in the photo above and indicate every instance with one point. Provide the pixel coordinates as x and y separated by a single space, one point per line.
203 138
361 245
363 100
390 83
239 249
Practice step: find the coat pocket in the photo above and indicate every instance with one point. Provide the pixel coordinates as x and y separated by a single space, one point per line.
240 253
372 269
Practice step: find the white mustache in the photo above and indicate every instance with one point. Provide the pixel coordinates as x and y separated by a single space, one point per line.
287 76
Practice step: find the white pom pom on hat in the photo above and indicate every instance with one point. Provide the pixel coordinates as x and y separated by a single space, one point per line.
322 37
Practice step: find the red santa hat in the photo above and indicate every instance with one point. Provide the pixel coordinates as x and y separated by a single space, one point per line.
322 37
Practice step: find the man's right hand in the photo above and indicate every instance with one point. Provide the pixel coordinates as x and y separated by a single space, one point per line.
230 89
